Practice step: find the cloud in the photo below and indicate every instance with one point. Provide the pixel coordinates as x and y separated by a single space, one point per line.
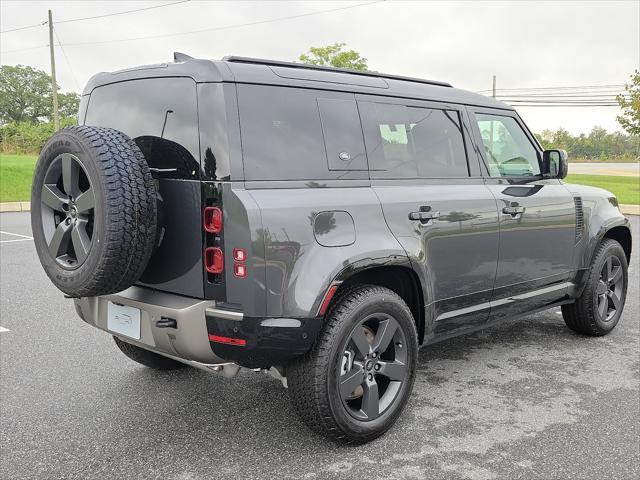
525 44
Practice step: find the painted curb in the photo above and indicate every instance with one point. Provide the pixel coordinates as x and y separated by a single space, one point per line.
15 207
630 209
26 206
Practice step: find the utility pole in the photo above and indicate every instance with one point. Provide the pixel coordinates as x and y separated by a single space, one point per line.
54 86
491 124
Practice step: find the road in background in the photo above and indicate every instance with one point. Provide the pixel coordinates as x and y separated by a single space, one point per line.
615 169
527 399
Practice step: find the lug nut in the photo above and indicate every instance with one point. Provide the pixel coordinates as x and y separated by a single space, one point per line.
377 366
371 376
374 354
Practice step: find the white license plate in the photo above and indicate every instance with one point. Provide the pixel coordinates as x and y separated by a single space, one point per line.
123 320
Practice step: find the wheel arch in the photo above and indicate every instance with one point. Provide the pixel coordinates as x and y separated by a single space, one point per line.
618 230
622 235
401 279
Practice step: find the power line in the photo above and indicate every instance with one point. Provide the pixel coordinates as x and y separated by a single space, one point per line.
66 58
525 89
122 13
25 49
97 16
25 28
571 106
563 95
227 27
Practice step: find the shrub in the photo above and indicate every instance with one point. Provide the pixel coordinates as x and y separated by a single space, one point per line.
26 137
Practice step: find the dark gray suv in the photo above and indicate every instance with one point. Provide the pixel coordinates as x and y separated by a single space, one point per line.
317 223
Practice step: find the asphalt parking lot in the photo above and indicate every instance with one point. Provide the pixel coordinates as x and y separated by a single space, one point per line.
527 399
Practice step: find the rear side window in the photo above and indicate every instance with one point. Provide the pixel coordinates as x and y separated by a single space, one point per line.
413 142
299 134
160 115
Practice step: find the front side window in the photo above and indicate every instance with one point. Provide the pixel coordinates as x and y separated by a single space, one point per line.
413 142
508 150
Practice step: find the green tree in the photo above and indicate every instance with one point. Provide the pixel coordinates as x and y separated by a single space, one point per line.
68 104
25 94
630 105
334 56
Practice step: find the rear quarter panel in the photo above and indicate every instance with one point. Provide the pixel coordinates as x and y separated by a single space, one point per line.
298 269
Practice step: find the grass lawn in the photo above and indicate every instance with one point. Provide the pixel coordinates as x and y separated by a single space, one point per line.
16 172
627 189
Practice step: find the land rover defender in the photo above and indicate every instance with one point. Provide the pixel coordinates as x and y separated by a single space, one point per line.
318 223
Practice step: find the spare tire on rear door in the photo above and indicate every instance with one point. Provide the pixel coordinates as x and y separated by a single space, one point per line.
93 211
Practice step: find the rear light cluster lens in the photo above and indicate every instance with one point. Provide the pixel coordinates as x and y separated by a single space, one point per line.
213 256
240 342
239 265
212 219
214 260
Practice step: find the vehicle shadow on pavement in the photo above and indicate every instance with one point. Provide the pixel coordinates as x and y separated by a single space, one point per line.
472 394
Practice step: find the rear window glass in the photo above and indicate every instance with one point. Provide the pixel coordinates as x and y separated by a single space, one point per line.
300 134
160 114
413 142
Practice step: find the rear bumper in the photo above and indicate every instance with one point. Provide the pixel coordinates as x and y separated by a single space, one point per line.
265 341
269 341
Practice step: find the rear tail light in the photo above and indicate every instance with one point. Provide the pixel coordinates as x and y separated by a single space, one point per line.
240 270
214 260
239 255
212 220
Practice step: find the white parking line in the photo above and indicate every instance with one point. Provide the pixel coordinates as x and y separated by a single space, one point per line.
17 235
2 330
14 241
23 238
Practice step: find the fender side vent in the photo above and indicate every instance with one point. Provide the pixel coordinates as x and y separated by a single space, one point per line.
577 200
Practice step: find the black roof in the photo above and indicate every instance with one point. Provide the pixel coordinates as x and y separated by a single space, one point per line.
306 66
272 72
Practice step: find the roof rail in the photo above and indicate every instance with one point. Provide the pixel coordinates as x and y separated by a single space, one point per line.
277 63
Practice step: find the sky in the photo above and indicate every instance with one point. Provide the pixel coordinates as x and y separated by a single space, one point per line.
524 44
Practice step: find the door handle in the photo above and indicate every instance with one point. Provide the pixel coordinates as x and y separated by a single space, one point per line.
513 211
424 216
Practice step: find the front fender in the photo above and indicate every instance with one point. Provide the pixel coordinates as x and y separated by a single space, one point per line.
600 215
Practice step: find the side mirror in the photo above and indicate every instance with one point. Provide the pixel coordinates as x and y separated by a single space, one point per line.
555 163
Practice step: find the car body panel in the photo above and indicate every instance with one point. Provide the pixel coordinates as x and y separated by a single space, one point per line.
474 265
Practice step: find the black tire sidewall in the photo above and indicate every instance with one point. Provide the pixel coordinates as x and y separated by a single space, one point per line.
68 280
364 430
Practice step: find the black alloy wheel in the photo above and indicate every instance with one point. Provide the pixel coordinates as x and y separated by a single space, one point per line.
609 289
373 367
67 206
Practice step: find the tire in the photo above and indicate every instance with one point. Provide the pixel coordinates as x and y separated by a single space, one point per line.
598 309
148 358
315 380
93 211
